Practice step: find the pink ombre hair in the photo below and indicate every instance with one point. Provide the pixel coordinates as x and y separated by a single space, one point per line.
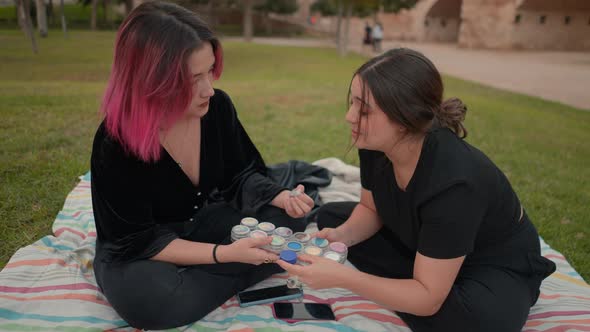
150 84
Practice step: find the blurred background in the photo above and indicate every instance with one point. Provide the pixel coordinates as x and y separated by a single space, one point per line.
521 66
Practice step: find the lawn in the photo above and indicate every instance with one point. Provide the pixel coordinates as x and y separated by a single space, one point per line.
292 103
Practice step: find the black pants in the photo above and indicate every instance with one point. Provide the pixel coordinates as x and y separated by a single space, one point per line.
482 299
156 295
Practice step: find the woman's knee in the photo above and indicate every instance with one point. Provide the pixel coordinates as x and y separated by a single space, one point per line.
334 214
154 297
150 313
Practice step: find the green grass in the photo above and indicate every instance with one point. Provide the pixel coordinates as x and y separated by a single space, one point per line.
292 102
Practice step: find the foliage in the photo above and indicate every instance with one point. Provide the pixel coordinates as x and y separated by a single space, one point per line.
397 5
278 6
361 8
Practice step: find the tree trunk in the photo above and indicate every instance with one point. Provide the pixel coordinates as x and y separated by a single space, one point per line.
25 23
50 12
105 14
93 14
41 17
209 13
64 26
343 46
339 21
248 24
128 6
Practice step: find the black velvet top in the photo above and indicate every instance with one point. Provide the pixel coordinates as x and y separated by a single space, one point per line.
457 203
135 203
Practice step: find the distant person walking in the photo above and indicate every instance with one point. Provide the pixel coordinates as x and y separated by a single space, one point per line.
368 39
377 36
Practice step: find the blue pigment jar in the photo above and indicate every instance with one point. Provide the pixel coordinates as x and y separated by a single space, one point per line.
288 256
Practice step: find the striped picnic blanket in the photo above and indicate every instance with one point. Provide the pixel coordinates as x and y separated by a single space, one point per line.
50 286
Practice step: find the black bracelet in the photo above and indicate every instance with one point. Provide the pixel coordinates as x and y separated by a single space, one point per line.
215 253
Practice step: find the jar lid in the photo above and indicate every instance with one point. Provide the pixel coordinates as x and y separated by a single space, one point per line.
338 247
313 250
266 226
322 243
258 234
284 232
249 221
288 256
295 246
277 241
240 229
332 255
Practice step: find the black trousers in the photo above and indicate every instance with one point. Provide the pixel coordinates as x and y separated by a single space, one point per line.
156 295
482 299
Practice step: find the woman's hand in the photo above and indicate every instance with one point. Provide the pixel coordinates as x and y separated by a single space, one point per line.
331 234
320 273
248 251
295 202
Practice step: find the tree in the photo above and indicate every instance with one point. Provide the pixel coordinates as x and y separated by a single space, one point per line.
93 14
41 17
324 7
359 8
128 6
105 5
283 7
394 6
63 18
248 20
343 40
24 21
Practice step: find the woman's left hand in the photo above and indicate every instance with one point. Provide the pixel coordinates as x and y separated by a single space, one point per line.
320 273
297 204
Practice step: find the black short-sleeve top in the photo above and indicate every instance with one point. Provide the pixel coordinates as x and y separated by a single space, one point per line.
457 202
134 201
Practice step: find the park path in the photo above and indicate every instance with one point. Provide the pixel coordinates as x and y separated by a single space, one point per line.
552 75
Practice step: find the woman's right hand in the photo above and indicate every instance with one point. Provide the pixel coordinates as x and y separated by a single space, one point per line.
248 251
330 234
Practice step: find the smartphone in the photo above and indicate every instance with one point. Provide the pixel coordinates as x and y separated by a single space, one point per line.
267 295
292 312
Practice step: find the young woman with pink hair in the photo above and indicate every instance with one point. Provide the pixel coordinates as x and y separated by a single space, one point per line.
169 147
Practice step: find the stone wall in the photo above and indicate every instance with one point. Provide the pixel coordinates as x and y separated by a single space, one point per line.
479 23
487 23
554 33
441 29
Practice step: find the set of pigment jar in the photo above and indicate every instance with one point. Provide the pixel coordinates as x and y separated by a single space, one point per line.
283 238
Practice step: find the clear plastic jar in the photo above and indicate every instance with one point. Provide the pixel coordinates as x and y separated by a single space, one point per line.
339 248
312 251
290 257
239 232
301 237
277 244
284 232
319 242
249 222
258 234
294 246
266 227
333 256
